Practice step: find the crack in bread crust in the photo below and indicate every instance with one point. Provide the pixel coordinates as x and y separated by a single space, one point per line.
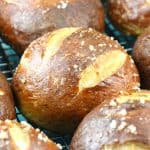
127 146
104 67
56 39
134 96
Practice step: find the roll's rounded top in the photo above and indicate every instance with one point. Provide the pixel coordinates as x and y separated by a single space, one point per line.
120 123
71 70
84 52
22 136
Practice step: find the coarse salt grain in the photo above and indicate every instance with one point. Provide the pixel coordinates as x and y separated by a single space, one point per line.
2 92
112 38
113 124
8 121
25 123
42 137
142 101
4 127
3 135
123 112
90 29
93 58
123 118
82 43
37 130
140 119
135 75
59 146
75 66
122 126
113 103
62 4
121 92
92 48
62 81
132 129
115 140
132 62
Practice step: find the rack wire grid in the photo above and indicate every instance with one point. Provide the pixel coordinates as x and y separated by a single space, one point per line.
9 60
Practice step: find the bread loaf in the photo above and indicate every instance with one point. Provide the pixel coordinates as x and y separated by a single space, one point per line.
66 73
119 124
22 21
131 16
7 108
22 136
141 55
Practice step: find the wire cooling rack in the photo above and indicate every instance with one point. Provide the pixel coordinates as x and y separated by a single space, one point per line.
9 60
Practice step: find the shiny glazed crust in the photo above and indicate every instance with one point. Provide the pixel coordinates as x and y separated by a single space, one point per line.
22 21
141 55
132 17
7 108
119 121
22 136
61 77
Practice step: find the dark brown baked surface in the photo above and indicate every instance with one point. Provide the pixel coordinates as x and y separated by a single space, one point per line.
7 108
66 73
118 124
141 55
132 17
22 136
22 21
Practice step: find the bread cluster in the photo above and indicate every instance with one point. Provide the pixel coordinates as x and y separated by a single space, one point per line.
73 79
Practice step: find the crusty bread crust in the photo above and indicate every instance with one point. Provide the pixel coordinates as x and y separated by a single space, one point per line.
7 108
132 17
22 136
62 84
141 55
119 121
21 22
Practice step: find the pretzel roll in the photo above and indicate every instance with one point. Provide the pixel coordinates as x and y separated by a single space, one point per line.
66 73
22 136
141 55
7 108
119 124
22 21
132 17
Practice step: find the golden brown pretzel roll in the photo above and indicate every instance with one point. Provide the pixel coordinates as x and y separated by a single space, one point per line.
7 108
131 16
22 136
119 124
66 73
22 21
141 55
